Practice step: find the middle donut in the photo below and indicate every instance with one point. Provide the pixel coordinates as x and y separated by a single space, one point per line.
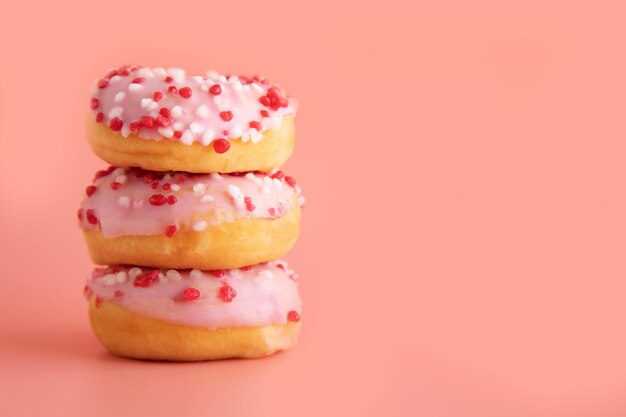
182 220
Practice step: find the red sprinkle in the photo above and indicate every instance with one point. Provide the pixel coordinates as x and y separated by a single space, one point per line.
147 121
98 302
80 214
90 190
171 199
172 89
146 279
162 121
87 291
271 211
102 83
265 113
138 80
94 103
164 112
99 117
167 186
226 293
215 89
218 273
116 185
91 217
293 316
134 127
154 185
116 124
178 134
278 174
157 199
226 115
170 230
119 293
256 125
157 96
185 92
221 145
249 205
246 268
191 294
290 181
168 79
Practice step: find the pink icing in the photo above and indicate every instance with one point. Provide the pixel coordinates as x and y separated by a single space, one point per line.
131 201
264 294
156 103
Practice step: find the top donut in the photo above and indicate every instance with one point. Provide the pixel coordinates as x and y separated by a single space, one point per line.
165 120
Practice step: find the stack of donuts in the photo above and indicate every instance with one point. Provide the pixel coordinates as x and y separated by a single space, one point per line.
190 219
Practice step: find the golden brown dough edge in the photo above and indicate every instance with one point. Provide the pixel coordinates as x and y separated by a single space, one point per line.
235 244
170 155
128 334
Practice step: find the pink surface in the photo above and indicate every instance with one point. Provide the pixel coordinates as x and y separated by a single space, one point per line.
463 244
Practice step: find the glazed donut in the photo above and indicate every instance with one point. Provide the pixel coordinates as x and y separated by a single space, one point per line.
180 220
193 315
165 120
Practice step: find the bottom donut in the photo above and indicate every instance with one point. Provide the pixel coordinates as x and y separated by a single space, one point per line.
192 315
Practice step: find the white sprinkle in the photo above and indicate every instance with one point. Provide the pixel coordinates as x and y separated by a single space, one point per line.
125 130
255 135
124 201
145 72
233 79
135 87
202 111
153 106
162 278
145 102
195 273
246 88
121 277
115 112
176 111
267 180
278 183
276 122
178 126
121 179
206 198
198 188
109 279
200 226
237 86
245 137
196 127
213 75
119 96
176 72
172 275
204 87
166 132
235 272
118 171
197 78
207 137
250 176
266 274
236 132
236 193
114 79
258 181
175 187
187 137
257 88
160 71
218 100
215 175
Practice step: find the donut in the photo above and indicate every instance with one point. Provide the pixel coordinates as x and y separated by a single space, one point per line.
194 315
183 220
165 120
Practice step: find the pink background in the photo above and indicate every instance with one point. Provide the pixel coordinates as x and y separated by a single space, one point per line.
463 246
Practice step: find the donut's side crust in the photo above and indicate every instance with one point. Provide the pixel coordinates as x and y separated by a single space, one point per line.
171 155
242 242
128 334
